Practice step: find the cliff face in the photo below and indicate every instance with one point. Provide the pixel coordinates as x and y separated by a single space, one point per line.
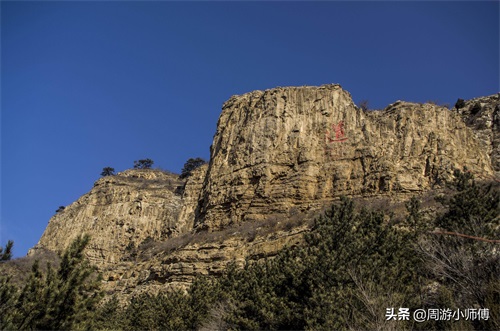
119 213
482 115
288 149
277 155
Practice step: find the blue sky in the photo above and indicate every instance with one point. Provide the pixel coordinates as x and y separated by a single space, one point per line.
85 85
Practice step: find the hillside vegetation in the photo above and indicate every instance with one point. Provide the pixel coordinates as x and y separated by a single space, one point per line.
355 266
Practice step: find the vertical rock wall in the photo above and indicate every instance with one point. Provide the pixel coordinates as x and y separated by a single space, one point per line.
482 115
276 154
294 149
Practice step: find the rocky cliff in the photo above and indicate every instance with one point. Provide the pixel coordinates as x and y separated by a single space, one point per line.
278 156
482 115
120 212
287 149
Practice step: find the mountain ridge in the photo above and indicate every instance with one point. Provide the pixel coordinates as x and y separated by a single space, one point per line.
278 156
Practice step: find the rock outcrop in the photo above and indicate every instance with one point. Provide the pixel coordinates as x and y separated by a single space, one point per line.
190 198
176 268
277 156
119 213
482 115
288 149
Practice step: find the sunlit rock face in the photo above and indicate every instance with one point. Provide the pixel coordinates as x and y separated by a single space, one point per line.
297 148
119 213
482 115
278 156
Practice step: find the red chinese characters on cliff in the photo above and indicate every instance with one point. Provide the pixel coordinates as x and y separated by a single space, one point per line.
338 130
333 136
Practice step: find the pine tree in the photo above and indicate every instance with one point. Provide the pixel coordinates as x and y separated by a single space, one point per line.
463 257
353 264
108 171
474 209
6 254
143 164
190 165
8 294
62 299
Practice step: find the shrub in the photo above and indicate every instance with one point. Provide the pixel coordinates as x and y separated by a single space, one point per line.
364 105
476 108
463 259
355 264
460 104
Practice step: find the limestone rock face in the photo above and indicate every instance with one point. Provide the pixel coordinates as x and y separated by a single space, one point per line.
297 148
190 198
119 213
482 115
277 155
177 269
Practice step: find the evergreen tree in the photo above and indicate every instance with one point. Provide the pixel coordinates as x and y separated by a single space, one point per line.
108 171
352 266
463 258
190 165
474 209
143 164
30 305
110 316
460 103
63 299
6 254
8 294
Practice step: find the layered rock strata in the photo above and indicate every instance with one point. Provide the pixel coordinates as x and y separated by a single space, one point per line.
288 149
482 115
277 156
119 213
179 267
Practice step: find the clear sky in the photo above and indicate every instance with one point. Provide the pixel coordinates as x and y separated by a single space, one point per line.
85 85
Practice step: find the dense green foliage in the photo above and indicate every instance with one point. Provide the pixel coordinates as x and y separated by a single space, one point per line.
190 165
62 299
353 266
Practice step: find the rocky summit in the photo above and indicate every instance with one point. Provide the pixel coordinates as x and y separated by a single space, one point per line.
277 156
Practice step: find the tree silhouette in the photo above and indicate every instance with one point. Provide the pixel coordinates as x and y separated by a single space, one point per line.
190 165
143 164
108 171
7 253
